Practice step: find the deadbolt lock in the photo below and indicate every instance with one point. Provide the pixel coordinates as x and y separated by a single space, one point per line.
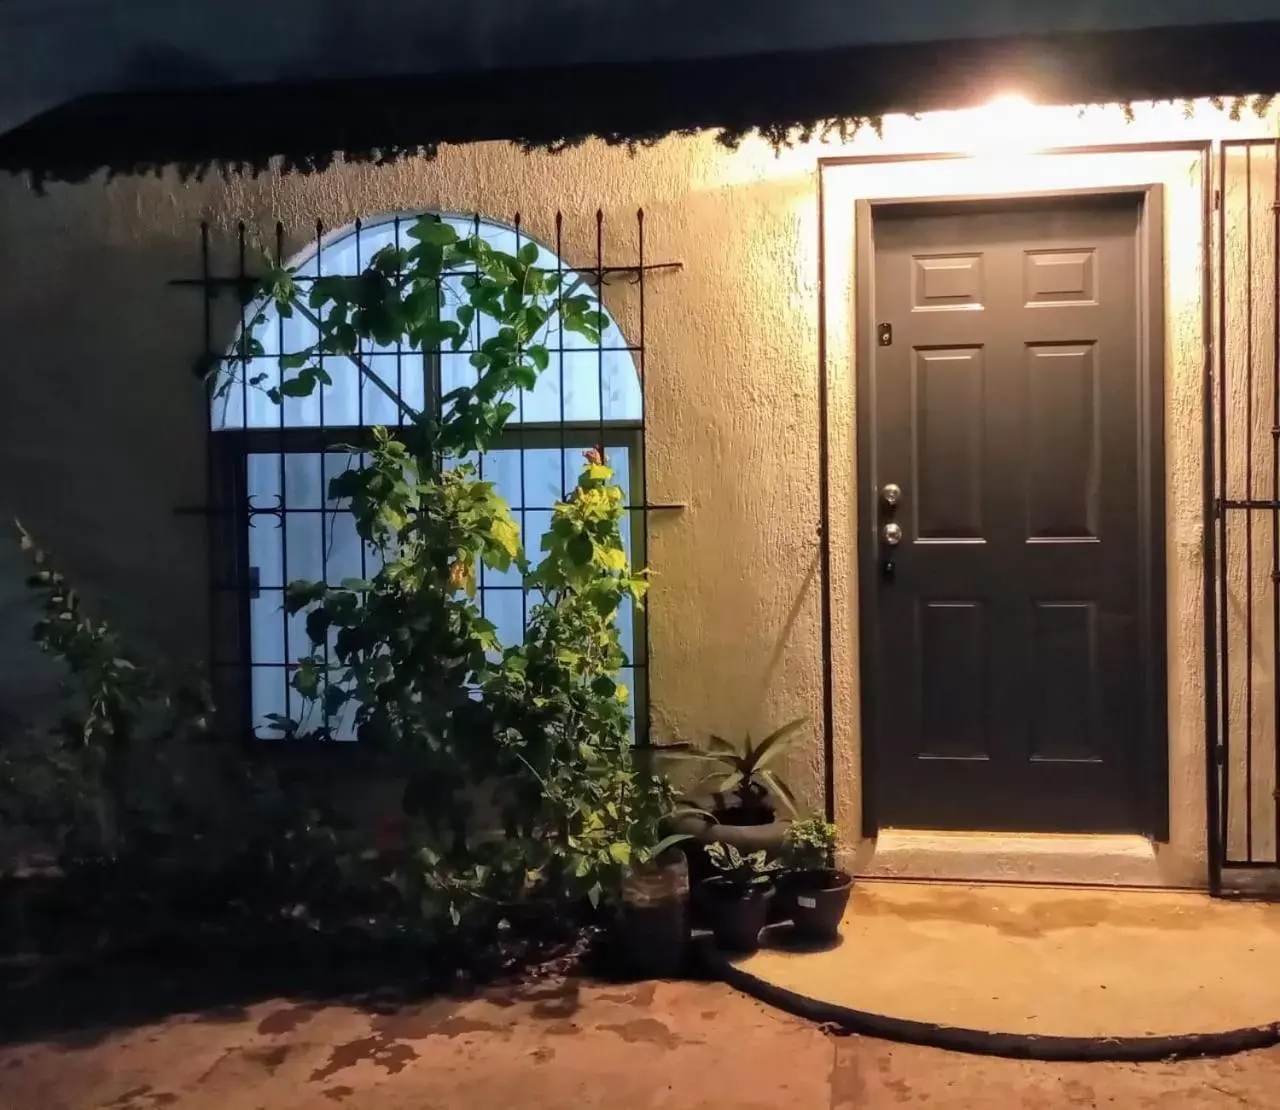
892 494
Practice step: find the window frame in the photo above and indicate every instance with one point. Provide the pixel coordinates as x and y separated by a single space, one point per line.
234 587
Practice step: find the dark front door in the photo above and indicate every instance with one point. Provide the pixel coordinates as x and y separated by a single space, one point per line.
1005 402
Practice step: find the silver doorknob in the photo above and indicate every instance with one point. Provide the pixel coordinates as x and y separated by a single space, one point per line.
892 494
892 534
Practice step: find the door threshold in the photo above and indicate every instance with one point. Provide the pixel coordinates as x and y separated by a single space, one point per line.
1073 860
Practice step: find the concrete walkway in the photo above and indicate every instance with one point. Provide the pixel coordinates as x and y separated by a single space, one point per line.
674 1046
1038 963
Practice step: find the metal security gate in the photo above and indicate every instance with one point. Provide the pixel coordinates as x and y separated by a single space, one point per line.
1243 472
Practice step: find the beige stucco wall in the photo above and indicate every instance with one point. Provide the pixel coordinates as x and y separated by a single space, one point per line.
103 420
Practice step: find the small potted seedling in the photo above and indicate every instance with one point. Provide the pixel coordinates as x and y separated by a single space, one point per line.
815 892
739 892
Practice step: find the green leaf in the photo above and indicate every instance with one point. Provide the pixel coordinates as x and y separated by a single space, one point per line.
620 852
778 788
317 626
431 229
306 680
730 781
528 253
507 536
335 697
594 895
539 356
663 846
612 559
721 745
298 595
301 386
295 361
772 744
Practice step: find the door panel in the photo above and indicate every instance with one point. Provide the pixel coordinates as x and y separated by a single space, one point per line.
1007 668
946 436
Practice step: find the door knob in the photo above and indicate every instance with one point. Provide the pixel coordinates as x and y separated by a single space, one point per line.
892 534
892 494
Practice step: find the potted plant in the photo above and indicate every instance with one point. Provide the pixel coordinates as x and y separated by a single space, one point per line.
742 809
816 892
739 895
653 912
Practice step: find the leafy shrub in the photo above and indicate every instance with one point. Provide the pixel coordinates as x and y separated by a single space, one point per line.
739 871
810 845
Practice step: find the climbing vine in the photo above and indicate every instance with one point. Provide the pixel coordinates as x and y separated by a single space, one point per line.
523 788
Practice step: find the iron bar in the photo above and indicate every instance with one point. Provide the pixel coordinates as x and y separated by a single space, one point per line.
1223 768
1213 747
642 556
586 272
211 524
1275 478
214 511
242 523
1248 487
600 330
284 486
1249 503
364 549
520 454
324 485
564 478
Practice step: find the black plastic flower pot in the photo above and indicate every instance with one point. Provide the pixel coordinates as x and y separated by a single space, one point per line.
816 901
748 831
737 913
653 920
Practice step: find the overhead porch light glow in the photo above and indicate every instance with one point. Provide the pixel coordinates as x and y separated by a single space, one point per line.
1009 124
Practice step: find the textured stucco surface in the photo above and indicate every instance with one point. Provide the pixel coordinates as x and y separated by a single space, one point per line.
103 419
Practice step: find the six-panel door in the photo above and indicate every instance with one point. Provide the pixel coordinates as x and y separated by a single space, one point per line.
1007 406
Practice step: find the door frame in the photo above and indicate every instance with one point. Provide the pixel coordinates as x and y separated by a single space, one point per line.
1150 769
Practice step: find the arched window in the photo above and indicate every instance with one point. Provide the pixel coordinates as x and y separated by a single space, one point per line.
278 459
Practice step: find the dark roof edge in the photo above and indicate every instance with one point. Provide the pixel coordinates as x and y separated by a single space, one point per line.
781 97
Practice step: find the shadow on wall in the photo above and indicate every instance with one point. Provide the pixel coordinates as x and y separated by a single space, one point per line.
806 594
758 689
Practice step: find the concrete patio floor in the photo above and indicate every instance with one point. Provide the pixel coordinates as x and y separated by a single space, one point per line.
1107 969
674 1046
